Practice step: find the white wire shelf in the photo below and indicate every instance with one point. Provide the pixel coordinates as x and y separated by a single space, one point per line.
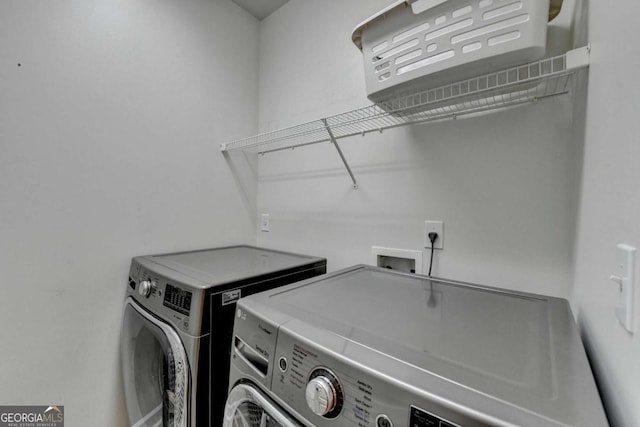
494 91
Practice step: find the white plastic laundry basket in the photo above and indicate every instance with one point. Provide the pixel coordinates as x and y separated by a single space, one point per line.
420 44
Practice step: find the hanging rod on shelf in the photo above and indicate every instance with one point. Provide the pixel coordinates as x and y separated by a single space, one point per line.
493 91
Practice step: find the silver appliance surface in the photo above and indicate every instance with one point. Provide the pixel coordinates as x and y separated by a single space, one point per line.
493 342
178 323
224 265
417 351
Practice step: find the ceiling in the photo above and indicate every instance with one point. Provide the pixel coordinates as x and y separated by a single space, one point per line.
260 8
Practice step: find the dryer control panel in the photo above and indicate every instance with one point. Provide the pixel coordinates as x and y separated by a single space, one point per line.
322 390
329 390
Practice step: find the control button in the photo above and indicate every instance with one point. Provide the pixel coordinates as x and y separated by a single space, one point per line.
282 364
383 421
324 393
145 288
321 395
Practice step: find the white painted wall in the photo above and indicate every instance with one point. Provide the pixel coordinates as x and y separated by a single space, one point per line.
503 184
610 201
108 132
108 149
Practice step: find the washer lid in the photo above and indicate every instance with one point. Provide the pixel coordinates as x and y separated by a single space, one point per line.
518 348
230 264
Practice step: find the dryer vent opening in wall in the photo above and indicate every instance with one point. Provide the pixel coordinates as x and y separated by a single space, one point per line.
405 260
395 263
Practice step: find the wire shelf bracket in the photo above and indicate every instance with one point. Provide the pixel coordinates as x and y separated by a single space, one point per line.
335 144
489 92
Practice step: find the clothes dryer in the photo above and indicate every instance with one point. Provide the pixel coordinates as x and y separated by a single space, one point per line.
177 326
371 347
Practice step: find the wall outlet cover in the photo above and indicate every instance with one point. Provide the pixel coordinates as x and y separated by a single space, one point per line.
437 227
264 222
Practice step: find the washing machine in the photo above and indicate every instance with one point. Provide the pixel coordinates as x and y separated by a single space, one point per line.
177 328
367 346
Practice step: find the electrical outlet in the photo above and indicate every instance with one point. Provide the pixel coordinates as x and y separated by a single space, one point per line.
434 227
264 222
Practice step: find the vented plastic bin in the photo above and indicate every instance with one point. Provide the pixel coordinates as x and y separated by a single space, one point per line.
415 45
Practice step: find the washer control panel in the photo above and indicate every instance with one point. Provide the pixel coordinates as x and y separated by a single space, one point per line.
177 299
166 298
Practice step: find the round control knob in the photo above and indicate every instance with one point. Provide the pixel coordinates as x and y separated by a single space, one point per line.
145 287
383 421
322 395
